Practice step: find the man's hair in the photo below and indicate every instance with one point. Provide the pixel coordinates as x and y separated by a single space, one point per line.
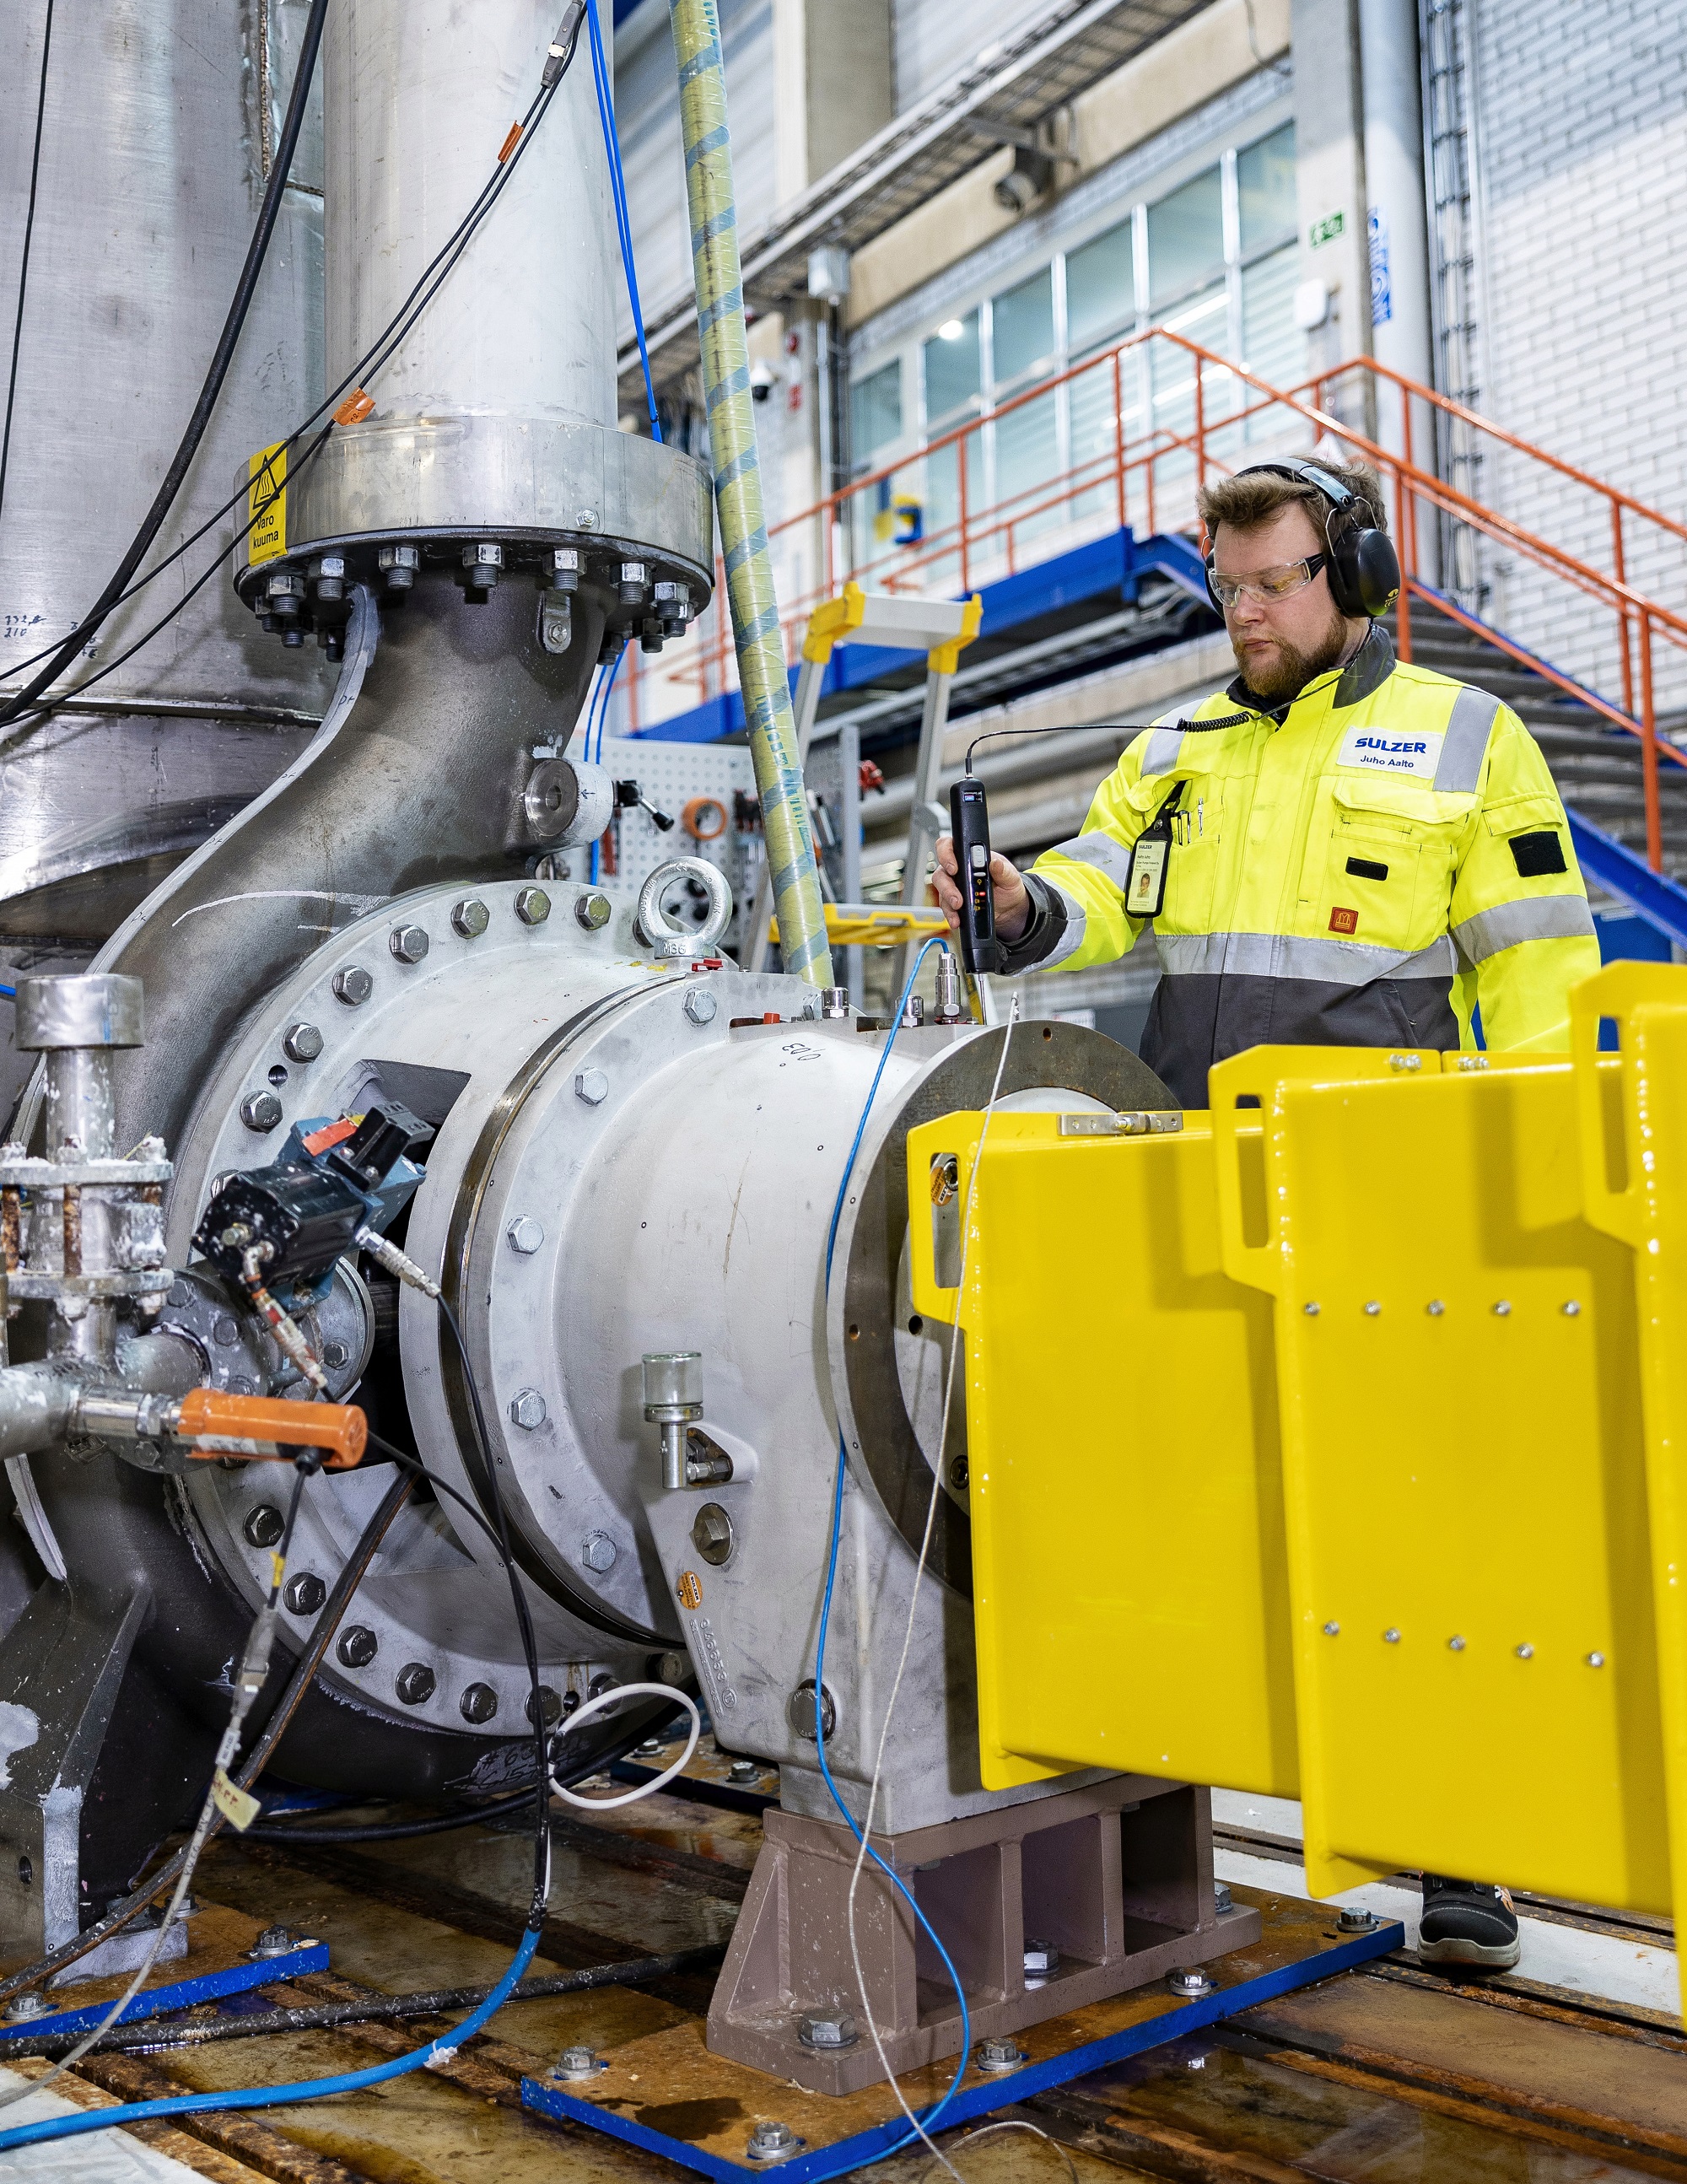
1256 496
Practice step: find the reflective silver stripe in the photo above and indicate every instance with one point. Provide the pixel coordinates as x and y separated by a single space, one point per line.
1288 956
1473 715
1110 858
1071 936
1163 747
1539 917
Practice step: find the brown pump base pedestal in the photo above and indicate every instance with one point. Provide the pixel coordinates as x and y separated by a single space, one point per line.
1117 1878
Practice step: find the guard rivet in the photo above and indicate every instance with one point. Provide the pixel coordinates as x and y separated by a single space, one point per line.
1372 1309
1332 1629
1596 1660
1455 1645
1503 1309
1570 1310
1391 1636
1436 1307
1311 1310
1525 1652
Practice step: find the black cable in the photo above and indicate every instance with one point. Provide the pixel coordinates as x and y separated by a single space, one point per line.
172 2032
1104 727
466 1816
164 499
23 267
146 1891
380 352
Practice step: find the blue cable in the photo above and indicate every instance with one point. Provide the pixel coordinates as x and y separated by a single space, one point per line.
10 992
262 2097
606 114
908 2137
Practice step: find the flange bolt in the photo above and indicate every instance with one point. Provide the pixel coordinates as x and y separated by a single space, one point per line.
826 2028
1189 1983
772 2141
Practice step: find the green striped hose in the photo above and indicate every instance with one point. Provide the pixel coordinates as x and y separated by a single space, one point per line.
738 492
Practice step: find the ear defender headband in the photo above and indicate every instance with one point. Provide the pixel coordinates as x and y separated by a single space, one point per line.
1363 566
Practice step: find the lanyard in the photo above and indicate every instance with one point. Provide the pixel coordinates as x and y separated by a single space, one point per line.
1145 881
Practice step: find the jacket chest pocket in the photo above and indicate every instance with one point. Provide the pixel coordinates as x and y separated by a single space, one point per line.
1193 861
1387 863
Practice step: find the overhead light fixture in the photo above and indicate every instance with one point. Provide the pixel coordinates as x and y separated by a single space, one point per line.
950 330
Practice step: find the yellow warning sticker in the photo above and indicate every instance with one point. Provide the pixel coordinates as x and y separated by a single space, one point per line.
235 1804
690 1589
267 503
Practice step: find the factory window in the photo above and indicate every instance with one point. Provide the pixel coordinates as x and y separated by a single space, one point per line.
1212 258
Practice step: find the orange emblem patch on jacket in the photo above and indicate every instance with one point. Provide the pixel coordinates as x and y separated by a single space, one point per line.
1344 921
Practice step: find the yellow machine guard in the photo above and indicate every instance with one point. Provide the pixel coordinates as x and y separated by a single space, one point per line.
1333 1446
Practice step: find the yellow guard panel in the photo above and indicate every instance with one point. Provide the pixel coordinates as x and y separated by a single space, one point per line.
1463 1475
1128 1563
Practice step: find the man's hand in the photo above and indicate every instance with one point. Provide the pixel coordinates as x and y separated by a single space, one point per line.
1013 903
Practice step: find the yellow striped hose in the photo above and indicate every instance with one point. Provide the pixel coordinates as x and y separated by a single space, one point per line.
737 492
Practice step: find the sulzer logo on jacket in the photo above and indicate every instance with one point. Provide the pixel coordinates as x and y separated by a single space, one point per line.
1417 755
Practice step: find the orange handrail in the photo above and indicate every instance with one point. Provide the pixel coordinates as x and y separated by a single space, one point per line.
949 556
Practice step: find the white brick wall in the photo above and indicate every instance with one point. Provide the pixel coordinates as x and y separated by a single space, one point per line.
1581 128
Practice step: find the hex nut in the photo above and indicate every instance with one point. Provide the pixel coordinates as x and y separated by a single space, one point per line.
303 1043
415 1682
1189 1981
551 1703
593 912
712 1534
409 943
525 1234
1353 1919
700 1005
592 1086
826 2028
29 2004
532 905
305 1593
264 1525
741 1771
357 1647
598 1551
353 985
336 1355
773 2141
1042 1959
260 1110
994 2057
478 1703
273 1942
576 2062
527 1409
470 918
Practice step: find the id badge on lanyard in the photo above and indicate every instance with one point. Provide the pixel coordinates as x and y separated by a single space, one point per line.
1150 859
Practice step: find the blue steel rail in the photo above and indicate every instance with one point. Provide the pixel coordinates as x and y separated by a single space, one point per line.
972 2101
177 1994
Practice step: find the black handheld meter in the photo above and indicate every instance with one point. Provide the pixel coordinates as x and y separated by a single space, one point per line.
969 819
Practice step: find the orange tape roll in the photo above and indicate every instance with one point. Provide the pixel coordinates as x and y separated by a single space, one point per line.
705 818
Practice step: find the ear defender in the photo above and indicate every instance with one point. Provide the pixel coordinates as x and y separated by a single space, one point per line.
1363 567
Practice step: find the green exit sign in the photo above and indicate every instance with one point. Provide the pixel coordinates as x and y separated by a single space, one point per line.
1326 230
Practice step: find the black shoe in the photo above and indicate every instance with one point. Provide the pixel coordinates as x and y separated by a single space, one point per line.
1467 1923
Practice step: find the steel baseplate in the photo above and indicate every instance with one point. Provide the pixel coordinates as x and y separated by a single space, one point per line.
669 2095
219 1961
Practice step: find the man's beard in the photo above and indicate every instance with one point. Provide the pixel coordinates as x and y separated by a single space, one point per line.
1293 669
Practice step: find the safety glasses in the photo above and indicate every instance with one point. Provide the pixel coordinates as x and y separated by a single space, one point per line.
1280 583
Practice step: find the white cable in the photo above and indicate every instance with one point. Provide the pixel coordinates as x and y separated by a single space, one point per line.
913 1607
644 1789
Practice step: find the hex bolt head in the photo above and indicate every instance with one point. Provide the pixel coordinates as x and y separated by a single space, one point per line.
273 1942
1353 1919
260 1110
548 1700
700 1005
994 2057
527 1409
826 2028
712 1535
353 985
576 2062
532 905
303 1043
772 2141
409 943
357 1647
1189 1983
525 1234
1222 1898
593 912
470 918
264 1525
741 1771
1042 1959
415 1682
478 1703
23 2007
592 1086
305 1593
334 1354
598 1551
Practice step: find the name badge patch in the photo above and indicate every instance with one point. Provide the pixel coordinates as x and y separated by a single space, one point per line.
1416 756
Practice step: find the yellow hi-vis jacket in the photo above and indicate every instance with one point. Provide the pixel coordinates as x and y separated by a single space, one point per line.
1361 867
